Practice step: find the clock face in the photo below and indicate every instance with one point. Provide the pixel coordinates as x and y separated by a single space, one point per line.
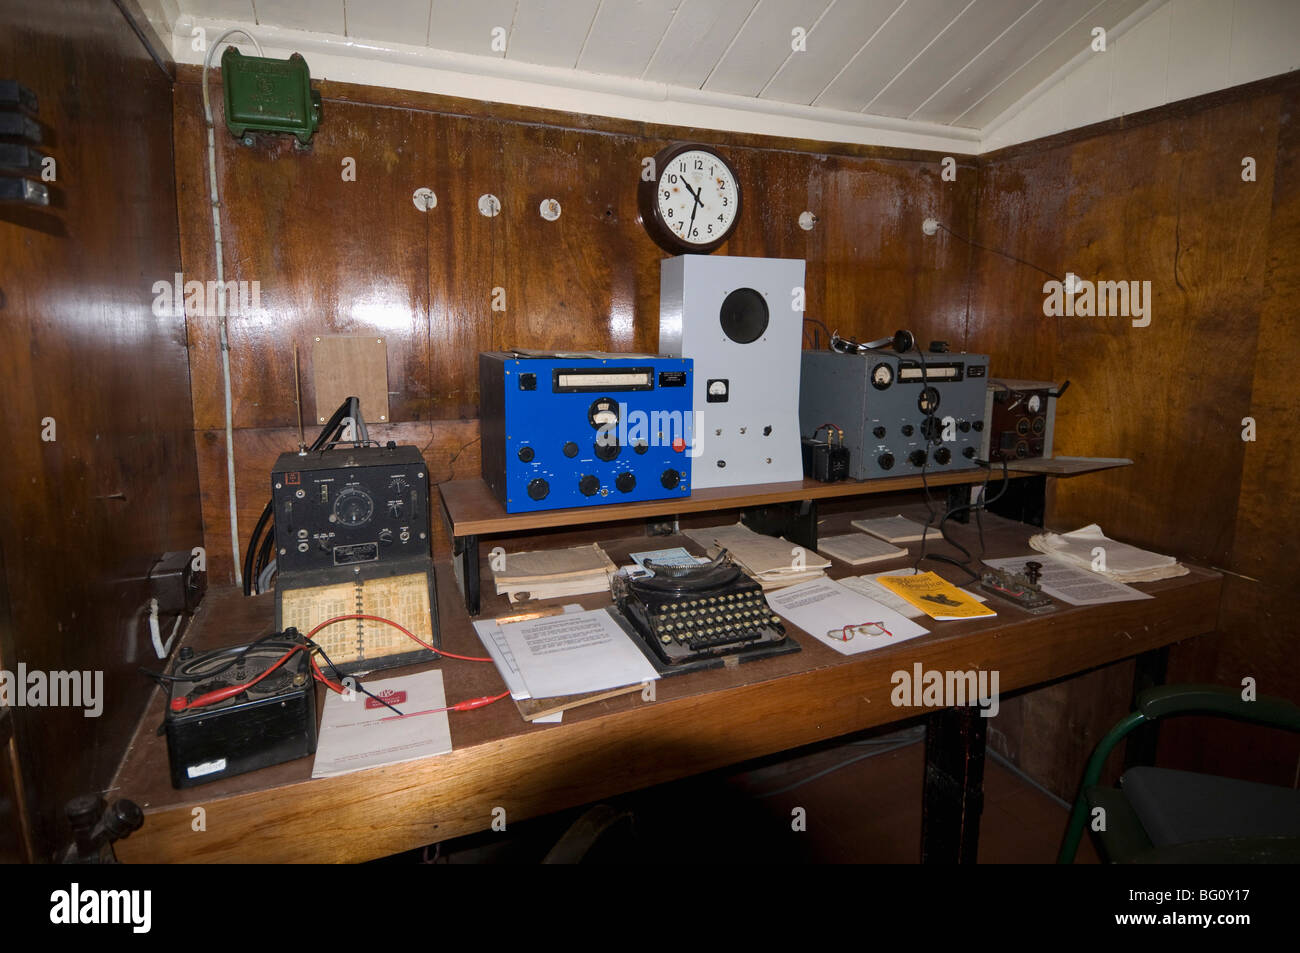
694 203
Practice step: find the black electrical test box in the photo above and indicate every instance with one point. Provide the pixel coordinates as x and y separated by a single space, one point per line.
825 461
268 723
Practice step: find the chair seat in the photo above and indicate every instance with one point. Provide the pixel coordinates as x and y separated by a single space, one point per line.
1180 807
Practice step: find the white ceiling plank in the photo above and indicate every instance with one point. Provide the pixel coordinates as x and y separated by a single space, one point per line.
625 35
1140 67
1025 40
1264 39
241 10
1074 41
1087 91
696 39
963 40
467 27
551 32
1198 47
832 43
763 45
397 21
909 31
316 16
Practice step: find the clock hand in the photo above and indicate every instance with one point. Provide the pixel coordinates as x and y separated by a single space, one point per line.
695 209
695 195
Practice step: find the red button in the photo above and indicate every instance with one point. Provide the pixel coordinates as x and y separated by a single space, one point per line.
679 444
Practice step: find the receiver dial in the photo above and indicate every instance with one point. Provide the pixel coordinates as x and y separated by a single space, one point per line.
353 507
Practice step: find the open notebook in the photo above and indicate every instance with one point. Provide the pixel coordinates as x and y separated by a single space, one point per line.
404 599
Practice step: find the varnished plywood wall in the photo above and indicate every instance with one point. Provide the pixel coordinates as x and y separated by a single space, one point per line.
1161 198
357 257
100 476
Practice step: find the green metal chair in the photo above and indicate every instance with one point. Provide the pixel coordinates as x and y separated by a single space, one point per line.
1163 816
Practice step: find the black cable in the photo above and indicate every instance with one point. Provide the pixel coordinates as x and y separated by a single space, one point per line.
162 678
975 244
338 675
255 554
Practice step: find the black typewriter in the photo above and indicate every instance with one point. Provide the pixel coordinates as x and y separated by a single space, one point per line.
690 613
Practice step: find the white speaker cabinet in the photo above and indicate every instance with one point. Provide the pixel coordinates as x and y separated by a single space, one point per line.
736 318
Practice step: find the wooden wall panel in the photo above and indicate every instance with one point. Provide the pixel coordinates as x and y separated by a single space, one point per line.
1161 198
88 513
589 280
332 256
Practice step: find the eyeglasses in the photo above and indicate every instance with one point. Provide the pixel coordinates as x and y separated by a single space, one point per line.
862 628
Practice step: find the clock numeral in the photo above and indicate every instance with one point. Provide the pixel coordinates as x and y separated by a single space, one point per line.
699 163
724 201
669 213
667 194
671 177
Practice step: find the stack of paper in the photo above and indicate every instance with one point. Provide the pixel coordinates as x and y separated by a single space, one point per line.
857 549
569 654
1089 548
551 573
773 561
892 529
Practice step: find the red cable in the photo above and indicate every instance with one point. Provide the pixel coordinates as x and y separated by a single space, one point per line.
468 705
401 628
221 694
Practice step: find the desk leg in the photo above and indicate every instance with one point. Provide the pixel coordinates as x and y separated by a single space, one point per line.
954 786
465 548
1140 748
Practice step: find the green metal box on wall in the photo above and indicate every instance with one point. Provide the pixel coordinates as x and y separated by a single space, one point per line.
269 95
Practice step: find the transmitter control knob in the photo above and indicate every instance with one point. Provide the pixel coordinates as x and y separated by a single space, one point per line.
626 482
386 537
942 455
526 454
669 479
977 426
908 430
570 449
917 458
538 488
606 451
879 432
589 485
886 461
964 426
969 453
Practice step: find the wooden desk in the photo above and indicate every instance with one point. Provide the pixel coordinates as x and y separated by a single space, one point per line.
470 510
699 722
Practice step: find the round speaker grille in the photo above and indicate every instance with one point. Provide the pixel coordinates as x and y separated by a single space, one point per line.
744 315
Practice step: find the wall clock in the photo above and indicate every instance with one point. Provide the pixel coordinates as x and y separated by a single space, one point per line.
692 205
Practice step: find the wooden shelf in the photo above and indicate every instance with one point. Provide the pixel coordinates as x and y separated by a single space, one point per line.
472 510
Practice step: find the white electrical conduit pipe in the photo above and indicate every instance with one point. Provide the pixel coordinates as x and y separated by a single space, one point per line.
221 292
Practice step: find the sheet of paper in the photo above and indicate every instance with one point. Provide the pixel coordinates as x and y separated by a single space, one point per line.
362 733
935 596
1071 585
822 606
677 556
489 634
869 587
576 652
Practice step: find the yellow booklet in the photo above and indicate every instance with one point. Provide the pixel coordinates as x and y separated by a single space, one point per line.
935 596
